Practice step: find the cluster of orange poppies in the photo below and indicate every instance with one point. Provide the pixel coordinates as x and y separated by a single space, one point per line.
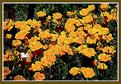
49 44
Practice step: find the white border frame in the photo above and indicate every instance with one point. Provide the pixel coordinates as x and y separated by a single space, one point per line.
61 80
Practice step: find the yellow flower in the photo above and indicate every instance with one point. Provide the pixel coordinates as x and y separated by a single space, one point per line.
34 23
49 57
60 39
91 40
67 49
79 40
18 24
91 7
44 34
16 42
19 77
89 52
104 6
48 17
45 62
81 48
103 31
54 37
93 31
37 66
6 71
88 26
70 13
84 12
45 46
9 55
25 28
8 24
87 72
68 40
39 76
6 55
57 15
8 36
35 45
55 21
104 57
41 14
109 49
74 71
34 38
108 15
21 35
70 24
48 60
77 23
87 19
81 32
71 21
73 34
69 27
114 14
108 37
102 66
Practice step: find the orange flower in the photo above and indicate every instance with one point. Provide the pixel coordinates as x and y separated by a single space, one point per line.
57 15
69 27
48 59
88 26
41 14
21 34
87 72
84 12
8 24
6 71
48 17
70 13
18 24
102 66
45 62
109 49
104 6
45 34
25 28
33 23
16 42
37 66
108 37
39 76
89 52
91 7
35 45
8 36
104 57
79 40
74 71
91 40
103 31
87 19
81 48
6 55
28 59
19 77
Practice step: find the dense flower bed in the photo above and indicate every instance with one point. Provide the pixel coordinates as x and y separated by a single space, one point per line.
80 44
